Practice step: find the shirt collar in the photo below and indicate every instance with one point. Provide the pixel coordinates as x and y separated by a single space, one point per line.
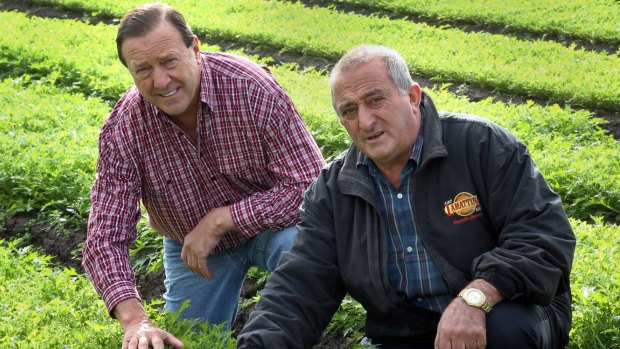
206 82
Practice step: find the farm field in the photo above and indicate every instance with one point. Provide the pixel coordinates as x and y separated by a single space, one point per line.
548 18
59 78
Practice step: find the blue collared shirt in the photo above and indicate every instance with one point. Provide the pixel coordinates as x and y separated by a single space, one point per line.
411 270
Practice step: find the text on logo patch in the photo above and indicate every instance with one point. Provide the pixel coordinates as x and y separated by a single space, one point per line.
463 204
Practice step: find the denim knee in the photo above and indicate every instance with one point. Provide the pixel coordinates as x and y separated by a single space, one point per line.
282 242
264 249
212 300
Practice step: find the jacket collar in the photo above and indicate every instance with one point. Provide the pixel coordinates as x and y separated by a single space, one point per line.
433 141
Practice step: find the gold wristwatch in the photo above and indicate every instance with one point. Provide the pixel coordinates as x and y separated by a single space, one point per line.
475 298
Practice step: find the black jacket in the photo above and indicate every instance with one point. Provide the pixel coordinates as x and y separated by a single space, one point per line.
482 209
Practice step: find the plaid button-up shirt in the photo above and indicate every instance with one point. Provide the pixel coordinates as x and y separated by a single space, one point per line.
411 270
253 153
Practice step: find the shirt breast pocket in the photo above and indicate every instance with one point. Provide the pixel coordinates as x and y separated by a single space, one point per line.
158 186
242 165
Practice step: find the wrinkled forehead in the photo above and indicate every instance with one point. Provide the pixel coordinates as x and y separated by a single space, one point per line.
161 36
140 49
354 70
365 75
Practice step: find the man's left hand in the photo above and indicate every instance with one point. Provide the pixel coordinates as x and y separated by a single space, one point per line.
461 327
204 237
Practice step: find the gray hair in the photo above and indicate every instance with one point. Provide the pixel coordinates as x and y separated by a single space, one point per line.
396 66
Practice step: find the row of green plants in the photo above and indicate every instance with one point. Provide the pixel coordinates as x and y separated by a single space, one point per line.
48 150
40 118
541 69
568 146
545 17
595 282
580 161
52 307
47 307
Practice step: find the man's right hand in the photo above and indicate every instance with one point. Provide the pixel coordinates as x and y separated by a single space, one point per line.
140 333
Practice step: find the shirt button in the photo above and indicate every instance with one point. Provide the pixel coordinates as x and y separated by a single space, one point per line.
400 196
409 249
419 299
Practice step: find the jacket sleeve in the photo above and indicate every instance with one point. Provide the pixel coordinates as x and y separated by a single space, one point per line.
304 292
533 259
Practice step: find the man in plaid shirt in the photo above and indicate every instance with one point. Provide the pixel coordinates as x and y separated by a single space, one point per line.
219 157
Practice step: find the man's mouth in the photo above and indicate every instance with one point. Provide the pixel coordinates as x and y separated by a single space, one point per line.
374 136
170 93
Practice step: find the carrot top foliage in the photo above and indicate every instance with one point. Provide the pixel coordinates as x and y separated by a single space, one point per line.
541 69
592 20
60 78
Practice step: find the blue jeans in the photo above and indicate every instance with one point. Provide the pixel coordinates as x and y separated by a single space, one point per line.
215 300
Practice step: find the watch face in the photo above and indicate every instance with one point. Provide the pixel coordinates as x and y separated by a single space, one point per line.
474 296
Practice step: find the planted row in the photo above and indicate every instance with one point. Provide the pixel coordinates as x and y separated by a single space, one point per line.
45 307
85 60
578 159
595 21
48 149
595 283
82 58
541 69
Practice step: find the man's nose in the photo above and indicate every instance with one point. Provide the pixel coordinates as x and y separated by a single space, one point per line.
365 117
160 78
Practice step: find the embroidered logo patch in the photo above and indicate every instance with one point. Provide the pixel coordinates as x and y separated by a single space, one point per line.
464 204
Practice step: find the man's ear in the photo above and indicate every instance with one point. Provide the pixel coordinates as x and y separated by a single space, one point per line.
196 48
415 95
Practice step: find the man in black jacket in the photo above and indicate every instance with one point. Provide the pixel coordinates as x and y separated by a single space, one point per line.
439 224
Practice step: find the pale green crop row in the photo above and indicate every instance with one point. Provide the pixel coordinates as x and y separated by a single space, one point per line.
46 307
594 20
48 150
577 158
54 49
49 308
84 58
540 69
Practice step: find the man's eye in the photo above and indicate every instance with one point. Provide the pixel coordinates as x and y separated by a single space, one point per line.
170 62
348 113
142 71
375 101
